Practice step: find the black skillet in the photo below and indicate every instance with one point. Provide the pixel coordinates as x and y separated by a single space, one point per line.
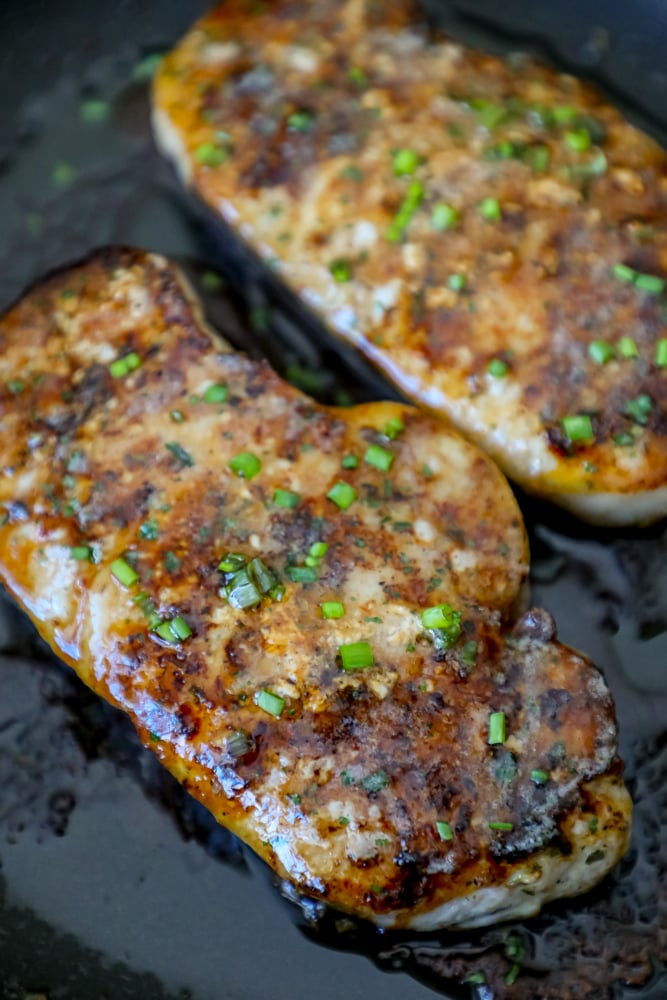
113 883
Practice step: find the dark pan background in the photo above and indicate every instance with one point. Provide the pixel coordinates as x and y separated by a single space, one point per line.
113 883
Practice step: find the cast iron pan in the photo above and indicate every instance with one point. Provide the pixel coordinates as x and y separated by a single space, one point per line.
113 882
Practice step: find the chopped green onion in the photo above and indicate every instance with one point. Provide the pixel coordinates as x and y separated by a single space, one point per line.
277 593
444 217
350 462
285 498
341 270
578 427
83 553
318 549
497 728
393 428
94 111
342 494
179 452
375 782
269 702
601 351
264 577
498 825
241 591
456 282
356 656
564 114
627 348
407 209
332 609
123 572
650 283
579 140
490 209
638 409
15 386
357 76
211 155
245 465
405 161
180 627
624 273
539 777
497 368
439 616
123 366
300 121
379 457
538 158
490 115
216 393
513 974
444 830
624 440
474 979
661 353
302 574
231 562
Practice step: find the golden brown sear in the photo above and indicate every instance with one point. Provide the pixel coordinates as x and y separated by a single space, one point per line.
308 613
490 234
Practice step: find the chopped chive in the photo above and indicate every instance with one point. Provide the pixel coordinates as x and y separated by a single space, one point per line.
264 577
269 702
301 574
15 386
342 494
300 121
123 366
539 777
211 155
490 115
83 553
405 161
638 409
350 462
538 158
650 283
285 498
579 140
277 593
379 457
498 825
578 427
375 782
440 616
457 282
93 112
444 217
624 273
490 209
624 440
513 974
474 979
406 210
341 270
123 572
393 428
469 653
601 351
497 368
180 628
179 452
231 562
241 591
216 393
332 609
356 656
245 465
444 830
661 353
497 728
149 530
627 348
318 549
357 76
564 114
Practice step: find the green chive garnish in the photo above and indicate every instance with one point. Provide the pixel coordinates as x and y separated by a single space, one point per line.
179 452
94 111
650 283
300 121
341 270
444 217
564 114
439 616
123 572
285 498
579 140
497 728
498 825
661 353
627 348
638 409
578 427
269 702
245 465
342 494
405 161
301 574
318 549
601 351
15 386
456 282
379 457
624 273
539 777
407 209
490 210
241 591
490 115
123 366
444 830
231 562
211 155
83 553
216 393
497 368
356 656
350 462
393 428
175 630
538 158
332 609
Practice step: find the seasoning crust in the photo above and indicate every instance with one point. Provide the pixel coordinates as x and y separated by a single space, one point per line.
310 614
490 234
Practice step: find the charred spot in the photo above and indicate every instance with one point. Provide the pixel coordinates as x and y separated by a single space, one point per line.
446 329
551 703
189 723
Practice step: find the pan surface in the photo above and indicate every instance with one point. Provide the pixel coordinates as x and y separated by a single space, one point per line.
113 882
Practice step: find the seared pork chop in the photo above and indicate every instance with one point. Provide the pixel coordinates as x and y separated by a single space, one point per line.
308 613
490 234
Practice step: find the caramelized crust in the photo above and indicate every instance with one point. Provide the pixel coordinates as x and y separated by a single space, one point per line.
120 418
446 211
